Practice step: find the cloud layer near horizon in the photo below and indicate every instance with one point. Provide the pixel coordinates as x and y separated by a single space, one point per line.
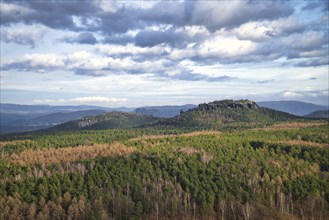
175 41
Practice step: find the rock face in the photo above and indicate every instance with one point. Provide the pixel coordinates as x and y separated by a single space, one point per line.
239 104
87 122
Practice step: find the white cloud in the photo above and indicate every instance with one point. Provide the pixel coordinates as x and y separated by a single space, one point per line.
114 50
82 100
291 94
217 47
264 30
23 35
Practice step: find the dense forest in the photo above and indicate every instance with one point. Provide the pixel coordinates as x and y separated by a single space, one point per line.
279 171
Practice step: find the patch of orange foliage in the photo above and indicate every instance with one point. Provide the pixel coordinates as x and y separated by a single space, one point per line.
69 154
6 143
190 134
302 143
292 125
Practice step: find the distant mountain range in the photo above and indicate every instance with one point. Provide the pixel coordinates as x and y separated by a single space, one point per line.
211 115
30 122
293 107
17 118
48 109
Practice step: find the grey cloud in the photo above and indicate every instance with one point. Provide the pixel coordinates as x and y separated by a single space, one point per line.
152 38
223 78
121 21
58 14
214 16
121 39
54 14
94 73
187 76
27 66
166 12
306 41
313 62
82 38
287 30
312 78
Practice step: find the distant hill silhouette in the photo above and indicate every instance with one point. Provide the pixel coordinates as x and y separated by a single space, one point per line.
17 118
108 120
319 114
30 122
292 107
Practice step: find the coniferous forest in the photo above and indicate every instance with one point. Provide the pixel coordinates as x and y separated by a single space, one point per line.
269 171
164 110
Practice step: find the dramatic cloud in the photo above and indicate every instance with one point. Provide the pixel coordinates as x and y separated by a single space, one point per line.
214 15
230 47
53 14
152 38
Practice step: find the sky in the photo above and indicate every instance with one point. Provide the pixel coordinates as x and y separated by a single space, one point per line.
138 53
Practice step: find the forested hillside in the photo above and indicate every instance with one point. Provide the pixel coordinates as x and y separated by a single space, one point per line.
164 111
108 120
274 172
227 112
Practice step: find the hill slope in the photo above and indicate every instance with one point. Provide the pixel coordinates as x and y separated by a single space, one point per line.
292 107
164 111
108 120
218 113
319 114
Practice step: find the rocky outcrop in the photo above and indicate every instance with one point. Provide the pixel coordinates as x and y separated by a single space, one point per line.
239 104
87 122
